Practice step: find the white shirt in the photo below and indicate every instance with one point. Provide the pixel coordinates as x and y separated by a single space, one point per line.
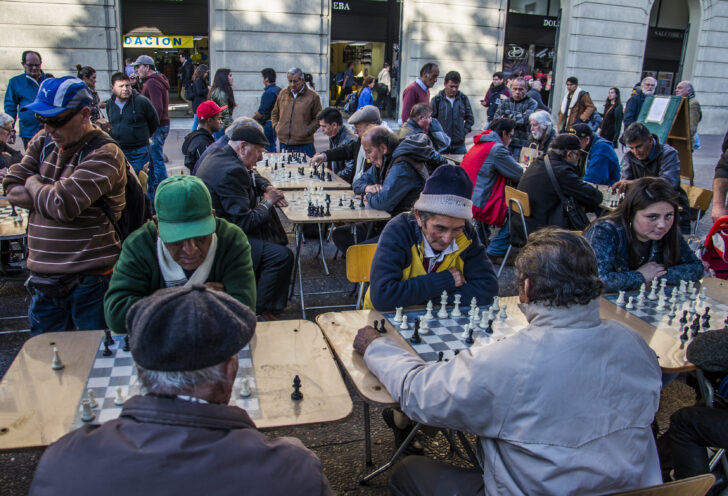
436 258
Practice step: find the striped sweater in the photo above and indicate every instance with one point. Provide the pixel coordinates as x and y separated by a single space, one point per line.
66 235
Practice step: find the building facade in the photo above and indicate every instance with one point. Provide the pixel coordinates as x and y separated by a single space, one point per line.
602 42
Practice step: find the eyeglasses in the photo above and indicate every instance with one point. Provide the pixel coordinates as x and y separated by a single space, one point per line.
33 65
56 122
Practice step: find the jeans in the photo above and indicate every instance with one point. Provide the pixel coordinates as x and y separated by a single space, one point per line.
270 134
691 430
83 309
419 475
307 149
138 157
456 149
499 245
273 265
195 123
159 173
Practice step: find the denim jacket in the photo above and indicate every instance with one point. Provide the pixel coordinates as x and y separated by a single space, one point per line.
609 241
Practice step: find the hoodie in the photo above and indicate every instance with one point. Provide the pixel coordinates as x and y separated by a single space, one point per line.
133 125
156 88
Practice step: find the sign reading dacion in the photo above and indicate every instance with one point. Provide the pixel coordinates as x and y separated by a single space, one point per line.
133 41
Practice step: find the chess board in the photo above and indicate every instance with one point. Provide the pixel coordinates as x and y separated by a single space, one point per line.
610 200
446 334
117 370
286 158
660 319
13 226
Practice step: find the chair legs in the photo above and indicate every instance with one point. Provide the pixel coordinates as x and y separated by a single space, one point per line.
503 263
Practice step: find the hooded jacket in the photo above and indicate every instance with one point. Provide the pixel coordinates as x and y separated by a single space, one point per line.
564 406
156 88
172 446
133 125
456 118
519 112
602 164
398 278
633 107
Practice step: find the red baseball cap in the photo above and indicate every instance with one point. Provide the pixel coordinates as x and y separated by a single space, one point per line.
209 109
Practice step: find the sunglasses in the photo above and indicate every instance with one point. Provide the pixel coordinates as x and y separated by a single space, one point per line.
56 122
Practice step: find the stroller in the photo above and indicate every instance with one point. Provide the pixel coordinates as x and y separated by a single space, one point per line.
714 250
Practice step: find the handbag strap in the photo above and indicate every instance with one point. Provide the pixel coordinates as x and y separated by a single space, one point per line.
555 184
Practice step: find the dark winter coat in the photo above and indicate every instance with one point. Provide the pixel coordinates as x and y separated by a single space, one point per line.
492 96
456 118
195 145
133 125
156 88
519 112
633 108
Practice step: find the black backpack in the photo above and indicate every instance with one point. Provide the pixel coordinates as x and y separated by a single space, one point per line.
138 208
190 90
191 158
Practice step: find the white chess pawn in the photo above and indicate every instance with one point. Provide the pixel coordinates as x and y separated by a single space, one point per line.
630 303
691 285
398 314
484 320
87 415
465 332
476 313
424 326
473 302
671 314
620 299
428 315
404 325
693 293
92 399
703 292
643 288
57 363
456 308
661 303
503 314
663 283
119 399
673 295
244 388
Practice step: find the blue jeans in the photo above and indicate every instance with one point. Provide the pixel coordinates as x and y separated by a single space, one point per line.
456 149
307 149
159 173
270 134
138 157
83 309
195 123
499 245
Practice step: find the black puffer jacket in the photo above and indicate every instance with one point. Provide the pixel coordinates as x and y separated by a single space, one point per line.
132 126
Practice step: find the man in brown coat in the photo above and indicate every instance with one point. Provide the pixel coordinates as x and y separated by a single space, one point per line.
294 115
577 106
182 436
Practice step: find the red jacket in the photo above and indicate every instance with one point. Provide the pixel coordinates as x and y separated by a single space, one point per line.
156 88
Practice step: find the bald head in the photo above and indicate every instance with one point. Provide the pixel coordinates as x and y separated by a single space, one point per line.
684 88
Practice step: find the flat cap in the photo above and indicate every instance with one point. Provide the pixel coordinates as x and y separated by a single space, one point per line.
249 134
187 328
368 113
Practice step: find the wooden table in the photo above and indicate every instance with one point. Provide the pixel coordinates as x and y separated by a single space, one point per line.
12 226
38 404
297 213
279 178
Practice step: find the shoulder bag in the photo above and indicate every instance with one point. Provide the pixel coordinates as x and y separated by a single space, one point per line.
575 214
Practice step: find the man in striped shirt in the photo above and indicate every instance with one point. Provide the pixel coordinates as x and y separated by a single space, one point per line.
69 170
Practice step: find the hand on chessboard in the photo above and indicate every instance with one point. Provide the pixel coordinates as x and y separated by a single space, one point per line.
652 270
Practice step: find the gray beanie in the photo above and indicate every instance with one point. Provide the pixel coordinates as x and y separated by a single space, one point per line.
187 328
447 192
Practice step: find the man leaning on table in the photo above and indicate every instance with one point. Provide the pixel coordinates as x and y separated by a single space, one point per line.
185 244
562 407
181 436
433 249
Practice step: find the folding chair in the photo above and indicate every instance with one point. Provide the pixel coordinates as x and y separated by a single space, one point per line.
517 202
706 390
358 264
699 200
693 486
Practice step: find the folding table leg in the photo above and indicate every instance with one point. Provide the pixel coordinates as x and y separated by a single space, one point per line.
396 455
367 436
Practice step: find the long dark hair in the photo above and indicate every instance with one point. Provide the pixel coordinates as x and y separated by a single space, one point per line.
200 72
618 101
641 194
221 81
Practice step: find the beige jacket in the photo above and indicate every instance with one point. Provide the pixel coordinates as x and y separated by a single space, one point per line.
294 119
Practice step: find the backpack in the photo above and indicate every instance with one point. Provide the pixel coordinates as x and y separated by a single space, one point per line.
351 102
190 159
138 208
190 90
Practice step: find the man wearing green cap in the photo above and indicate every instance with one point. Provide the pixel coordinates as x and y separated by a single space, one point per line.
185 244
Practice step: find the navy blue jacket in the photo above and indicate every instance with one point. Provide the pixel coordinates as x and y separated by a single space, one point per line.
399 238
270 94
609 240
21 91
633 107
602 163
456 118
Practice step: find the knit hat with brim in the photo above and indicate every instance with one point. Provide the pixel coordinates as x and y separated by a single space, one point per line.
447 192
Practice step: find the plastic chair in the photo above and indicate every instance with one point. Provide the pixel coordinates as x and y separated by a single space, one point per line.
517 202
694 486
358 265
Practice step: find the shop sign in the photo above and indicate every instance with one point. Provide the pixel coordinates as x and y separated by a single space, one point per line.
341 6
131 41
667 34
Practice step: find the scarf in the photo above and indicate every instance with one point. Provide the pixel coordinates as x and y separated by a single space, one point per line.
574 99
173 273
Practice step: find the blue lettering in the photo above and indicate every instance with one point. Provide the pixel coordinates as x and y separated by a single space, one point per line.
127 40
165 41
138 41
176 41
148 40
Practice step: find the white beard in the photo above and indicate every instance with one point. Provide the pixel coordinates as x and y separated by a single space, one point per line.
649 92
537 134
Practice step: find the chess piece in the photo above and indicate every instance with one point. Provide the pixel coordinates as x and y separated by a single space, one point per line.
673 295
643 288
398 314
126 343
684 335
328 209
87 415
503 314
361 202
693 294
653 292
341 201
376 325
92 398
107 351
496 303
620 298
244 388
660 303
296 394
119 399
630 303
351 204
404 324
440 354
456 308
107 337
684 318
424 326
489 329
428 315
57 363
442 313
415 339
470 339
484 320
703 292
671 314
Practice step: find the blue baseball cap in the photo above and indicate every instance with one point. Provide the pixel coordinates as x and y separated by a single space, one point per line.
56 95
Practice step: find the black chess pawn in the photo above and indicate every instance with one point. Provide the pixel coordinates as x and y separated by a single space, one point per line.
328 209
290 174
107 337
416 339
328 177
376 325
489 329
341 201
684 335
684 318
266 162
351 204
126 343
706 314
107 351
382 329
275 167
296 394
456 352
440 355
311 175
469 339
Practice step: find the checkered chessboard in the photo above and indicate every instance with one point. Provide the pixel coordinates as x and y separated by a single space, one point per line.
20 218
117 370
659 318
446 334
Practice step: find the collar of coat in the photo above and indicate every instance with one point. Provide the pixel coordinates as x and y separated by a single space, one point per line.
576 316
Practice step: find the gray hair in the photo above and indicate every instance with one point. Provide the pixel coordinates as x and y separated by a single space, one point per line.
5 119
646 78
242 122
691 89
543 119
175 383
295 71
